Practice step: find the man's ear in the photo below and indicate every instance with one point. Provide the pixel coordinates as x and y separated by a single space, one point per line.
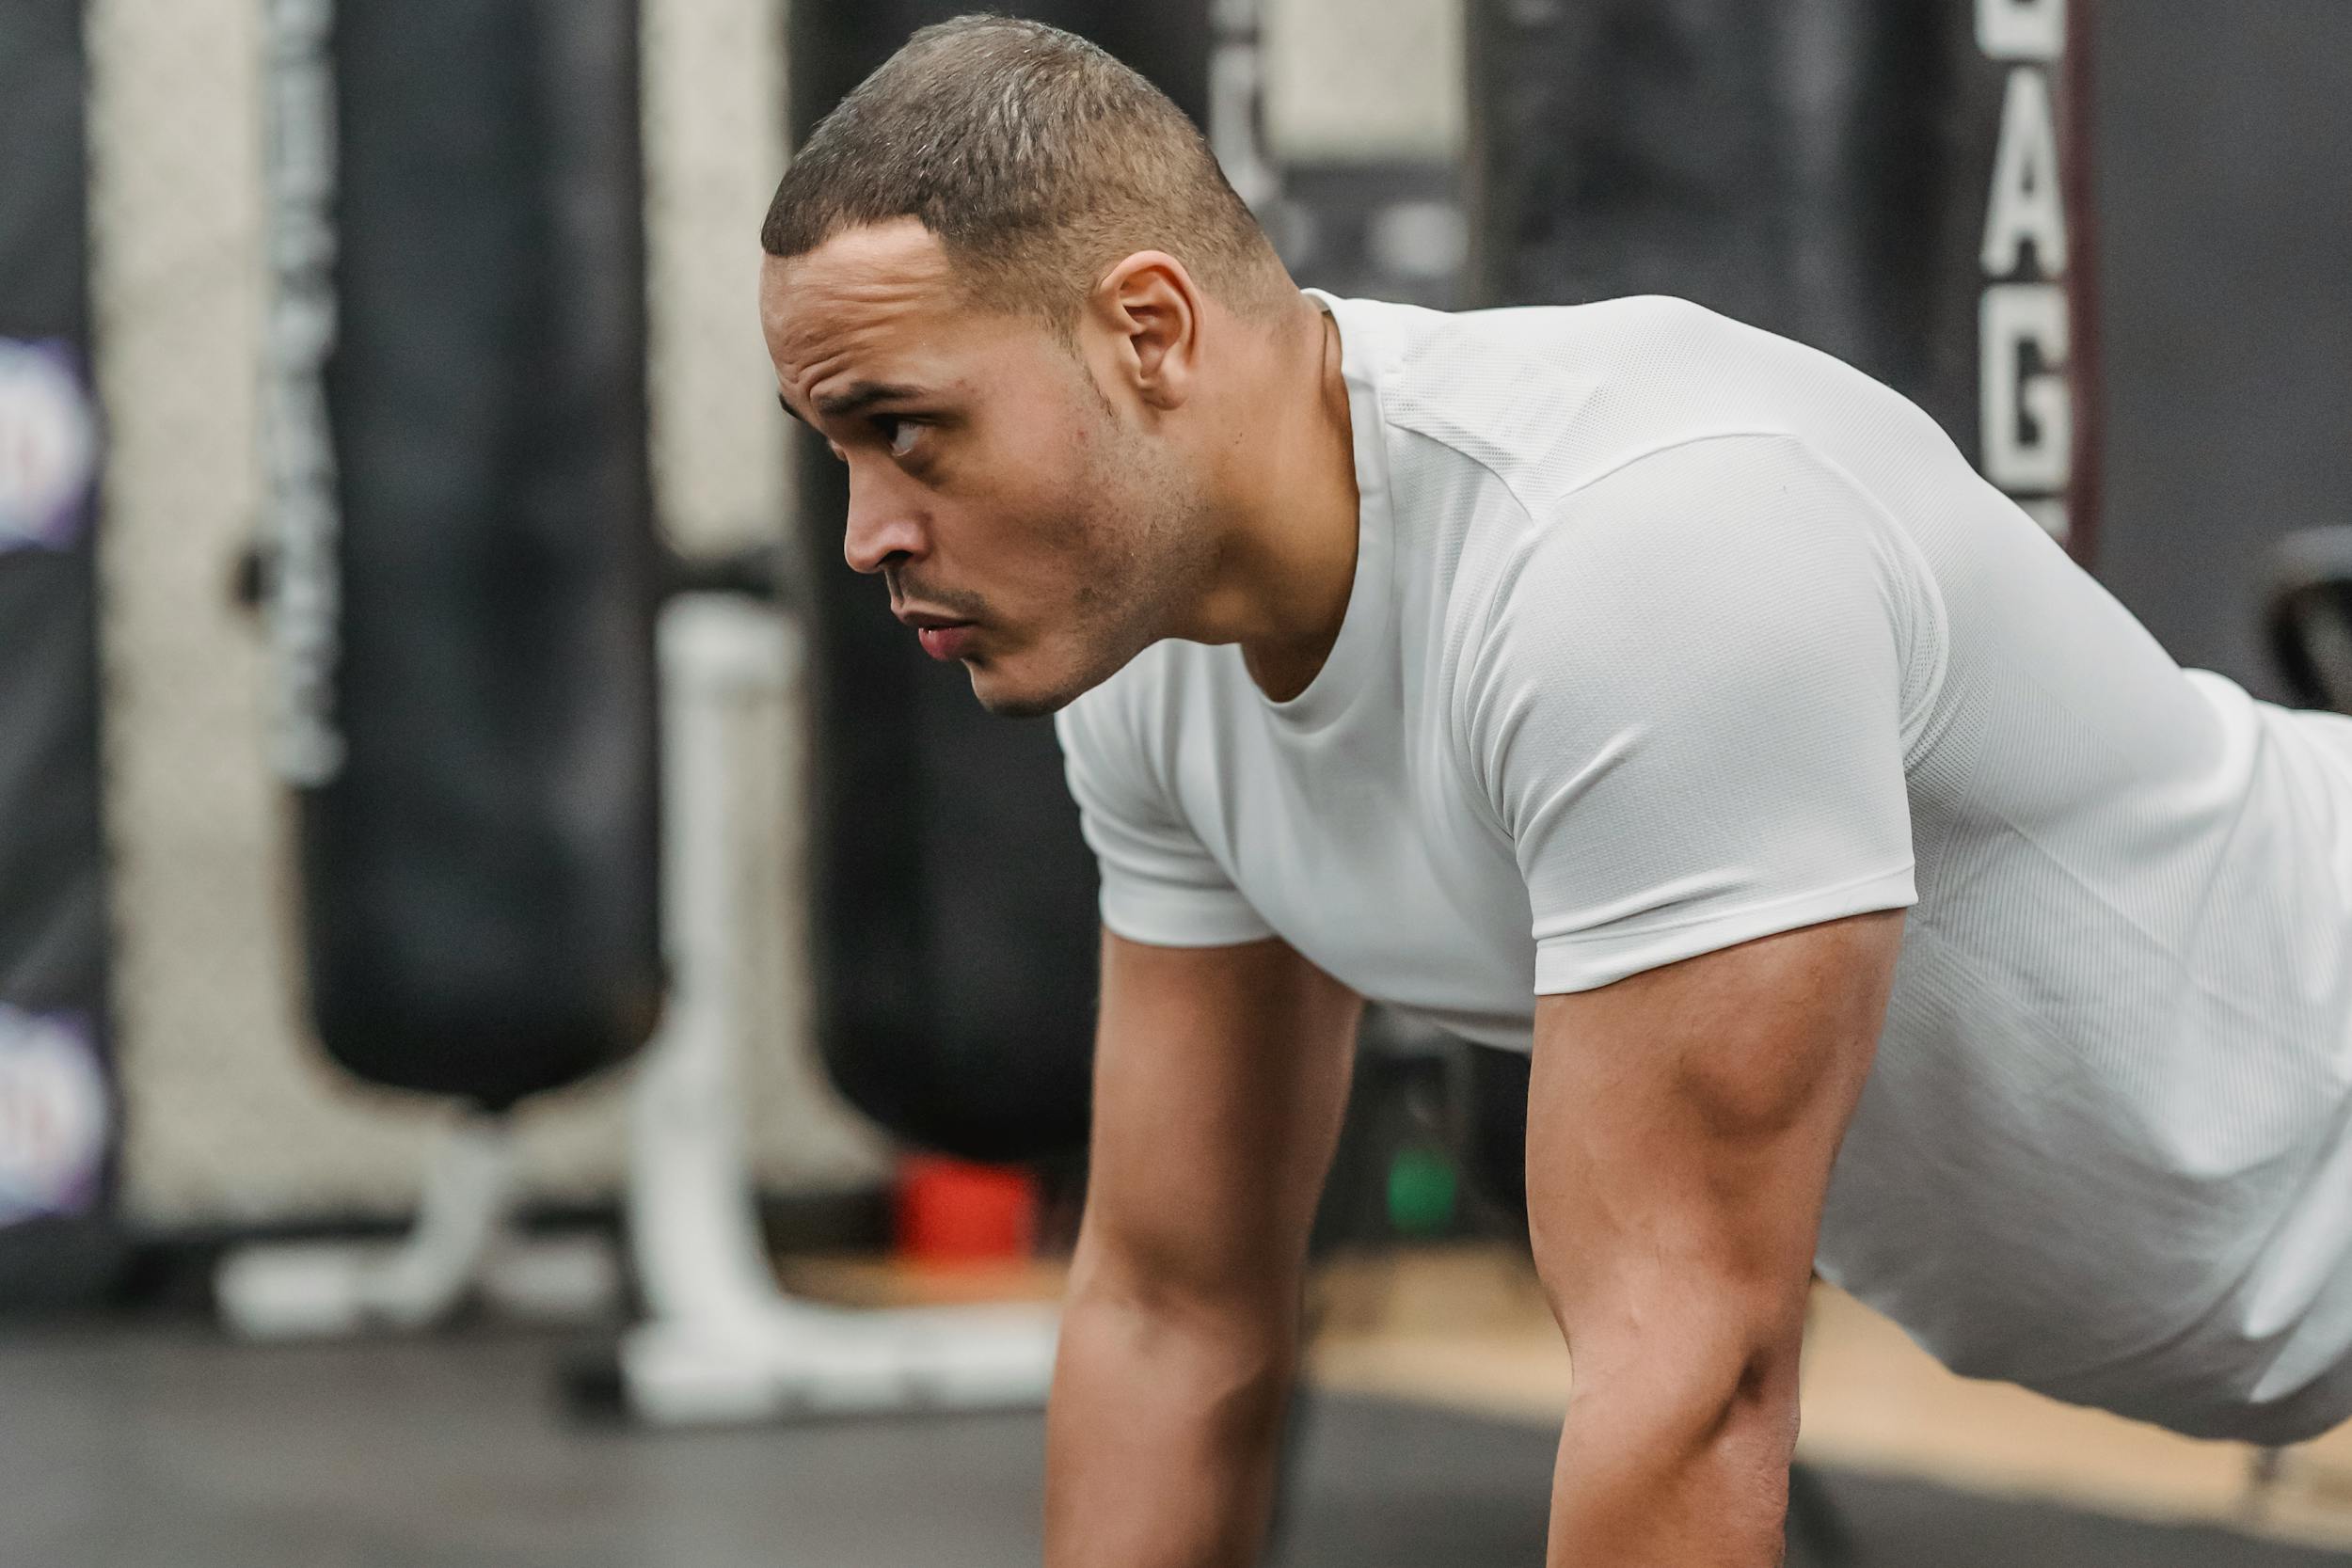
1148 308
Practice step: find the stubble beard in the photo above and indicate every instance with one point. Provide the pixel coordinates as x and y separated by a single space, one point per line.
1142 551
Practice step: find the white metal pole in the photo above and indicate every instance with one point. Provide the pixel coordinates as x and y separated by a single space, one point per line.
694 1222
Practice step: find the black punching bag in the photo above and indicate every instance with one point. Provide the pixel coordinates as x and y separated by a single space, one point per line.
464 564
1904 186
954 912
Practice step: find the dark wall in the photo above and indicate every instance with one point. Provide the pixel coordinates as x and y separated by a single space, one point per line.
2226 194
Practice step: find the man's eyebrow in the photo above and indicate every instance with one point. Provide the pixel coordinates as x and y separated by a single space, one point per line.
858 399
865 395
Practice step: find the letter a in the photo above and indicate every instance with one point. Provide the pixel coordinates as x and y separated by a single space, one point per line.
2028 203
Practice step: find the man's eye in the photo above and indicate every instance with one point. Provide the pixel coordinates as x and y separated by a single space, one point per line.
898 434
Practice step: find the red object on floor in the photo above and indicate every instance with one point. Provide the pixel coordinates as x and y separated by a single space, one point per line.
954 1212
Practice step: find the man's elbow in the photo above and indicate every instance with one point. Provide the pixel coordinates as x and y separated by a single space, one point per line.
1679 1443
1215 1365
1165 1304
1697 1385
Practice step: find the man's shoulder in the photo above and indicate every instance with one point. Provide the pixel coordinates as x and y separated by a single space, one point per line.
1690 555
1538 400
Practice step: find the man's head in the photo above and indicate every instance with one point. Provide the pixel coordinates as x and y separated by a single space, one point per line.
992 274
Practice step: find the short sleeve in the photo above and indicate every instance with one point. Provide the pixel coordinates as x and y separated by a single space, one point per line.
1160 885
1686 705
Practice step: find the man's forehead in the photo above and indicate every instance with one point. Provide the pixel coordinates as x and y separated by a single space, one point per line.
856 278
884 309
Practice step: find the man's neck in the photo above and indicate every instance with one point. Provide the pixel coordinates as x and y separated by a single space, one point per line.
1291 552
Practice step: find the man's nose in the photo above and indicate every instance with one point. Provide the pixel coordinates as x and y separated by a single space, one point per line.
884 529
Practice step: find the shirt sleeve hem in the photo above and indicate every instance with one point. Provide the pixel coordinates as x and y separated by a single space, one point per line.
1165 917
1587 962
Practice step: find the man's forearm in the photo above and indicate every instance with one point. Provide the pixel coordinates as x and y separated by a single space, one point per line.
1162 1434
1656 1475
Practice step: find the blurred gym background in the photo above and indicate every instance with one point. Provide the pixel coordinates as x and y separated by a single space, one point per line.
478 881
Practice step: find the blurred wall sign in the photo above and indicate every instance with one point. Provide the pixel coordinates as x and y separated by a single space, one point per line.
298 437
53 1120
48 446
2025 319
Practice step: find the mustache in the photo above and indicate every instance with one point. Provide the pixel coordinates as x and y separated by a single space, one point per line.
905 589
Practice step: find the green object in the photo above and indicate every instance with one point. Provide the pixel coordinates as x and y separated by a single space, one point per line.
1421 1192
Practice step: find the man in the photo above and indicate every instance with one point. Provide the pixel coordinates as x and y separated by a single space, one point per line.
1616 683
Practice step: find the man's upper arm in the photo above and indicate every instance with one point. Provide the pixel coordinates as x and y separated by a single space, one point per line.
1681 1128
1221 1056
1689 716
1220 1078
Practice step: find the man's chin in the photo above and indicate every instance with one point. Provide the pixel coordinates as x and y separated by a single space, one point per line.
1004 703
1006 695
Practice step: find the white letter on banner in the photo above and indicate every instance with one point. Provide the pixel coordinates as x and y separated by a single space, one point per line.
2028 205
2020 29
2015 315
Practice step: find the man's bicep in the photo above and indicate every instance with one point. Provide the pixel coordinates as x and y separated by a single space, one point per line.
1221 1075
1682 1128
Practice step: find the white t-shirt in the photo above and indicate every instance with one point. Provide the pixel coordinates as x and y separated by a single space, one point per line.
1667 634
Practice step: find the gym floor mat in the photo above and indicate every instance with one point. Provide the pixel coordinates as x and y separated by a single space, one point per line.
168 1448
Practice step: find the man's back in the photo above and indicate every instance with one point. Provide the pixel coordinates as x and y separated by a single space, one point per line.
1667 634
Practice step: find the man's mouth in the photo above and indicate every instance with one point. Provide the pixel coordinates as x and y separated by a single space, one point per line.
942 637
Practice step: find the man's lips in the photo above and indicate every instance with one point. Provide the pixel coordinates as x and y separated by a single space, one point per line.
946 642
942 637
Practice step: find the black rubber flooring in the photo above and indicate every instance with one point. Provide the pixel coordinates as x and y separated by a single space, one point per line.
154 1449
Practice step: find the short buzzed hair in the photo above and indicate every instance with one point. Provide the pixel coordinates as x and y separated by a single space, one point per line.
1038 160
